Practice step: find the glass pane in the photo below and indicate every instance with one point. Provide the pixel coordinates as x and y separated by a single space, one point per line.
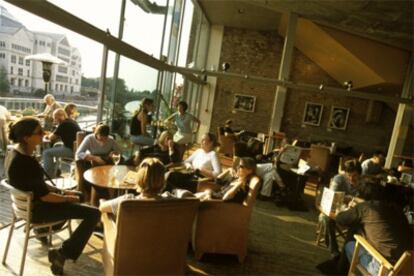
102 14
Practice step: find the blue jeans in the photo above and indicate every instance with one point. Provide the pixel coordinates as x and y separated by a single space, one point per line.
49 156
365 259
142 140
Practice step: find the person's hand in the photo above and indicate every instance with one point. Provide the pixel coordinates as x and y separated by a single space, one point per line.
98 160
170 144
72 198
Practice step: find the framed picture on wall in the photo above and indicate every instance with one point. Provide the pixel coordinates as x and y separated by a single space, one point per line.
312 114
339 117
244 103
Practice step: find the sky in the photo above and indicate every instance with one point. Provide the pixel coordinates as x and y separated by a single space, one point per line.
141 30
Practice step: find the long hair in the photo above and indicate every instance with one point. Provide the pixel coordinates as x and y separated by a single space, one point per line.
22 128
143 105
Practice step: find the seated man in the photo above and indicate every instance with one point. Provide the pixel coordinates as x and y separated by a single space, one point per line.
346 182
381 221
373 165
66 131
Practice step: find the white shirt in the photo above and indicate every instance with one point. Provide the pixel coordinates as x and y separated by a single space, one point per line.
205 160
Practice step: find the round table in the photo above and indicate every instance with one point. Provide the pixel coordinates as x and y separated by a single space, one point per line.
109 177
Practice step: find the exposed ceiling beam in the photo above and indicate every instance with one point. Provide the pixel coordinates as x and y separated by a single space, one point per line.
334 91
61 17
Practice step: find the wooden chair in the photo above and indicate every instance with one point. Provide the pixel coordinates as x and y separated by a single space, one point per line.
404 265
148 237
223 227
22 210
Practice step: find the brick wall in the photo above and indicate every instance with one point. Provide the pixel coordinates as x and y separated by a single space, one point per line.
258 53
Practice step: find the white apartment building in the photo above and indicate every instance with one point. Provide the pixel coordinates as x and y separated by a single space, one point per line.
26 76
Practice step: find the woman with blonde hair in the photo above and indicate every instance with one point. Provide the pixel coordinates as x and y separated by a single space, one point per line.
139 122
150 183
165 150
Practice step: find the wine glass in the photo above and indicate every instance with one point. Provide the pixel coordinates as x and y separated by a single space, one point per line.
116 158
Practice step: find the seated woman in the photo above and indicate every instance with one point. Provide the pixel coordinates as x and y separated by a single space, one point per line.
96 149
72 111
150 184
203 161
165 150
49 203
139 122
237 187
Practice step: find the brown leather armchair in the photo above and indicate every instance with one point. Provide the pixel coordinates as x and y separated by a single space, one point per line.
148 237
223 227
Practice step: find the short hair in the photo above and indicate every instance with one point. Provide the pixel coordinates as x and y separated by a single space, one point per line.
150 176
352 166
370 188
69 108
248 163
183 104
102 130
60 110
49 96
212 138
22 128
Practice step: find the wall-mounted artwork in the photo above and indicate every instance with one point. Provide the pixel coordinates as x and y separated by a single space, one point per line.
244 103
313 114
339 117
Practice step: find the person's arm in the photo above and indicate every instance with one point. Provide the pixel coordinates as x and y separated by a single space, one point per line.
115 146
173 152
105 206
232 191
59 198
350 217
197 121
82 152
169 118
189 160
144 121
215 163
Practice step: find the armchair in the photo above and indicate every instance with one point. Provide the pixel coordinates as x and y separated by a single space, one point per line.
222 227
404 265
148 237
226 143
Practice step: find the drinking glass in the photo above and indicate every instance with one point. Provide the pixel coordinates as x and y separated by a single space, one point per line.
116 158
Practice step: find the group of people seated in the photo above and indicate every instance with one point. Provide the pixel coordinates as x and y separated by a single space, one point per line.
379 217
376 210
154 179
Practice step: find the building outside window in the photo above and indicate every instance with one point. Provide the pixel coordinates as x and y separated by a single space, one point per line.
26 83
11 70
27 62
21 60
13 59
20 82
2 55
28 73
2 44
20 71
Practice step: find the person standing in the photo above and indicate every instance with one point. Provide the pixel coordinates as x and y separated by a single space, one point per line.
66 131
183 120
139 122
47 114
49 203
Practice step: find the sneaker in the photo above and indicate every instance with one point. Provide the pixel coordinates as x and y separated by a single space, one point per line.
57 259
